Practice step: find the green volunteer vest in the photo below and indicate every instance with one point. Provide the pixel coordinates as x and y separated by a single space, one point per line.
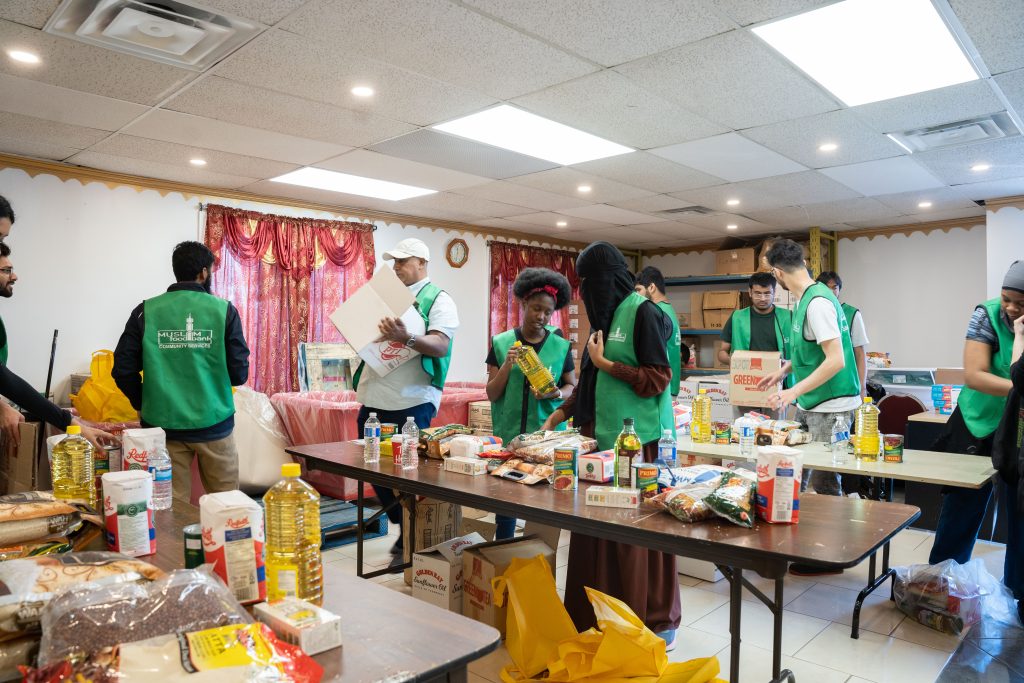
982 412
741 330
675 343
186 383
615 399
849 311
507 411
3 347
437 368
807 355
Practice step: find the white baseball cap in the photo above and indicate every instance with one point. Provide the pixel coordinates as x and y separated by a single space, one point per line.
408 248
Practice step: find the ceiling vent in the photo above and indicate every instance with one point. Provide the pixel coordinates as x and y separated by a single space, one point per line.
175 33
991 127
691 210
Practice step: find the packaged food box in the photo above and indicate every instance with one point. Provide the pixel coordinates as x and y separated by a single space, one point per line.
298 622
599 467
437 572
613 497
470 465
779 471
233 539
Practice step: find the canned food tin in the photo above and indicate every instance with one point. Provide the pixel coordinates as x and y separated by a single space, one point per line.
113 458
722 432
565 462
892 449
387 429
193 546
645 478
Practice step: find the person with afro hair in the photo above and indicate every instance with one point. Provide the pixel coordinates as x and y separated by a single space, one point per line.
516 408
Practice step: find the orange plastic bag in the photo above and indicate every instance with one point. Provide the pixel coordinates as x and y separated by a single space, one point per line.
99 399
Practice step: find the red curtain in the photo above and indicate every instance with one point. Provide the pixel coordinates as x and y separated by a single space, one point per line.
285 276
507 260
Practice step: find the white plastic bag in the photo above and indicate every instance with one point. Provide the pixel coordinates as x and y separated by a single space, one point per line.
260 440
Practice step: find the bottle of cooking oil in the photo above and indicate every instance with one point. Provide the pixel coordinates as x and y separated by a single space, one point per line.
627 451
700 419
867 431
294 565
73 470
539 377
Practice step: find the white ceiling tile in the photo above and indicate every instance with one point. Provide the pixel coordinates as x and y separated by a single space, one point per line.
521 195
75 65
730 156
263 11
848 210
623 238
327 72
799 140
649 172
876 223
799 188
978 213
369 164
39 131
460 154
942 199
733 79
652 204
1012 85
156 169
953 164
445 201
717 224
930 108
442 40
717 197
565 180
672 230
219 98
179 155
37 149
310 194
609 105
185 129
992 189
504 224
551 220
746 12
995 28
608 214
32 13
594 28
785 218
45 101
887 176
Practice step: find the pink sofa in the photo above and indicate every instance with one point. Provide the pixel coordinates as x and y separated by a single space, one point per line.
327 416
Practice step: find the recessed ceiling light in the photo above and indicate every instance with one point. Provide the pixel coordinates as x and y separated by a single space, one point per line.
197 162
870 50
584 188
23 56
731 226
828 147
351 184
519 131
562 224
977 168
733 202
362 91
924 205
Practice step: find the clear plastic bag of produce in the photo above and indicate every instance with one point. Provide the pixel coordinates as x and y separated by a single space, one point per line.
733 498
540 446
85 619
686 503
950 597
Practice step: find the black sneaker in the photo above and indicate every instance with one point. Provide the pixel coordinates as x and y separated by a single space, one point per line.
397 548
812 570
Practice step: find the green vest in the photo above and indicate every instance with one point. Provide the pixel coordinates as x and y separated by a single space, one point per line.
186 383
741 330
807 355
675 343
3 345
437 368
982 412
615 399
849 311
507 411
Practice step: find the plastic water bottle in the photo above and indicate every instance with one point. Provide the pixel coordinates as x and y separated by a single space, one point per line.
294 563
410 445
371 440
839 440
868 440
159 463
667 448
73 469
746 429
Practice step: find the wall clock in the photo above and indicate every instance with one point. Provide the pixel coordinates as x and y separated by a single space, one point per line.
457 252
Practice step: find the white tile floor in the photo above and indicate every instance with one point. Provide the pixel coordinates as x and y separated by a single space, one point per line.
816 641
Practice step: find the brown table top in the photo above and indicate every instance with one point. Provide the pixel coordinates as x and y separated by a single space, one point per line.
386 636
835 531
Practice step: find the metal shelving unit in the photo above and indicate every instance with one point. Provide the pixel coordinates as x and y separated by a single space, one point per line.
706 280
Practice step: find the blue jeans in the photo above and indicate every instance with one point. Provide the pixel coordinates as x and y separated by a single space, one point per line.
421 415
504 527
963 511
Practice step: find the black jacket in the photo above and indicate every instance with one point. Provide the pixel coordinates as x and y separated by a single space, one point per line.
128 364
1007 455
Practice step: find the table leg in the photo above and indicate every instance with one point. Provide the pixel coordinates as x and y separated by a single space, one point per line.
359 530
873 583
775 604
735 607
360 527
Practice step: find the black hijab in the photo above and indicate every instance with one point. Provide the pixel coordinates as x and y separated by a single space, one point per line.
605 282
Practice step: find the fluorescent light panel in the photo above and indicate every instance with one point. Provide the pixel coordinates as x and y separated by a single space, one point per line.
870 50
351 184
519 131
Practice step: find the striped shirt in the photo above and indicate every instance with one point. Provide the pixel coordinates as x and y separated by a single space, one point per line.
980 328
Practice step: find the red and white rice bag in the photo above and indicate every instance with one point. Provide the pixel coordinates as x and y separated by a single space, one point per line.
779 471
233 539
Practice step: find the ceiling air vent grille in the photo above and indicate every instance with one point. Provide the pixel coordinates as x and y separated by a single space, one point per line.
691 210
979 129
176 33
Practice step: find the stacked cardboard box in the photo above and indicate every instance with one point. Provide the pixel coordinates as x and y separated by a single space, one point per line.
718 306
735 262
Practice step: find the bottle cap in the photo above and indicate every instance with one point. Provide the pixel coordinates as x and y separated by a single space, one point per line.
373 414
627 421
702 391
291 469
867 399
74 429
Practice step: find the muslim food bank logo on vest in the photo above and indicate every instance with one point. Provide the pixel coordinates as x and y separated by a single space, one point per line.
617 336
188 338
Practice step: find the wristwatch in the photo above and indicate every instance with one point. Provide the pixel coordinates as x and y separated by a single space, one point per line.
412 341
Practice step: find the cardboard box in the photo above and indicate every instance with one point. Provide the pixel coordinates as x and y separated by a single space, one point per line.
687 391
698 569
696 321
599 466
613 497
715 318
470 465
718 391
718 364
437 572
729 299
436 521
480 415
735 261
481 563
746 370
19 466
298 622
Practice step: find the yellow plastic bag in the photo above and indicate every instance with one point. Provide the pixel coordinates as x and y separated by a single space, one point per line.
537 621
99 399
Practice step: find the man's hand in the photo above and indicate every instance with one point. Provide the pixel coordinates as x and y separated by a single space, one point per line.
782 398
512 355
772 380
393 329
9 421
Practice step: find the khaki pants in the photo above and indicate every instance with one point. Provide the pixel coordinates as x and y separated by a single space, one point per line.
218 465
